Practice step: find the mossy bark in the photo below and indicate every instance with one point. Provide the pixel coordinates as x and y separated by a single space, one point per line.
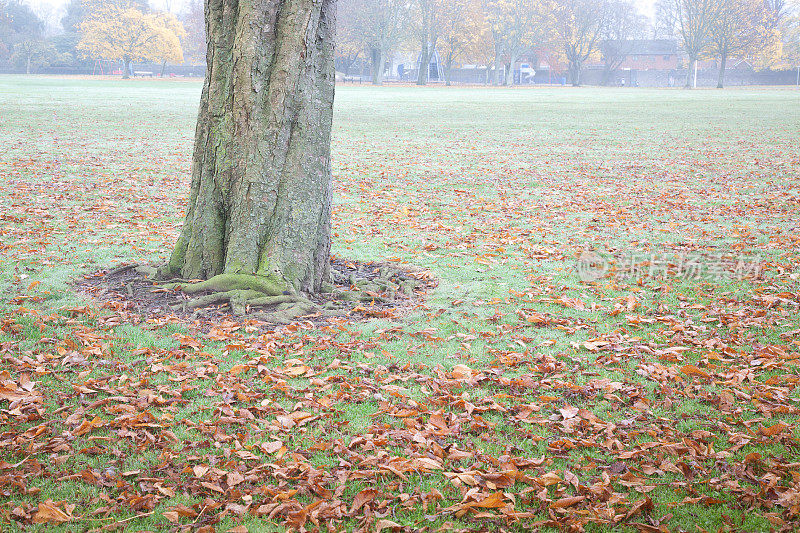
261 178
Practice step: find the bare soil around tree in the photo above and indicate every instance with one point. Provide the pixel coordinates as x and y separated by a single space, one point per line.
360 290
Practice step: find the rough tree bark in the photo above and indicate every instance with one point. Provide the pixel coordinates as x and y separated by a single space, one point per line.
259 211
378 65
424 65
721 77
575 69
425 46
510 70
690 73
498 61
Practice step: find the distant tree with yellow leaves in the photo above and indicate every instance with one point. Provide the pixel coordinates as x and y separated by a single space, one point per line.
739 28
124 33
790 45
461 24
516 27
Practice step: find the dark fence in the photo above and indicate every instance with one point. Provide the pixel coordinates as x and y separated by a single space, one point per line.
475 76
636 78
677 78
151 69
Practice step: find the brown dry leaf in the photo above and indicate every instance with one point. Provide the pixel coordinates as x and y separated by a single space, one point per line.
563 503
50 512
461 372
88 426
234 478
212 486
568 412
362 498
492 501
183 510
271 447
238 369
386 524
773 430
691 370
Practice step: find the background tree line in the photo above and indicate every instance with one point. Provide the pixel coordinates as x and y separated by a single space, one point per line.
119 31
496 34
565 34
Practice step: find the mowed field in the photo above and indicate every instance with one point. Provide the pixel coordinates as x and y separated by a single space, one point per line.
650 385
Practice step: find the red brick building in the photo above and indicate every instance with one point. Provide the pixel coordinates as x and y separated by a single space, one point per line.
645 54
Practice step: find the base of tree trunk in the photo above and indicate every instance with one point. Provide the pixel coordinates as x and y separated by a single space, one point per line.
359 290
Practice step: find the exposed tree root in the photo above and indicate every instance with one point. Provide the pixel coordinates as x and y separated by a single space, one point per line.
235 282
248 295
355 288
286 313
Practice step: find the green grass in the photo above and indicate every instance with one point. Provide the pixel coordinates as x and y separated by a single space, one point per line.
496 192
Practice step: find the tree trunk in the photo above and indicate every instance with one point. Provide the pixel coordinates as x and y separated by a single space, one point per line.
259 209
348 64
28 66
575 73
378 59
424 65
425 48
497 63
510 71
689 73
721 79
608 74
163 68
126 68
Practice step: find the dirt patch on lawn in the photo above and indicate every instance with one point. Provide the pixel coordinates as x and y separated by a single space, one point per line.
354 297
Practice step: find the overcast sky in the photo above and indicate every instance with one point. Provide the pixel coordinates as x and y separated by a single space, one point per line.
50 8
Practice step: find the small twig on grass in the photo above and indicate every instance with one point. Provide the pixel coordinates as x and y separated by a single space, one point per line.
117 521
121 269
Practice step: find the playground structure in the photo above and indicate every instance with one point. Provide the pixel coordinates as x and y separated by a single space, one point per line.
105 67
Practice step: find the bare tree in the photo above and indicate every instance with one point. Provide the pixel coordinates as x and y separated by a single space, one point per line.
516 25
776 12
426 13
461 27
194 42
691 21
380 25
493 13
350 41
578 28
624 26
735 29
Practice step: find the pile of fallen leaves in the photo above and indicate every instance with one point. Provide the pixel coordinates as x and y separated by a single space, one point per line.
515 397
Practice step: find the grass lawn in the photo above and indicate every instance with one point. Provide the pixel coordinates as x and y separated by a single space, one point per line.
654 389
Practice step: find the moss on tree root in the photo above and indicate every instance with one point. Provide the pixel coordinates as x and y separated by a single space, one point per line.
238 282
273 300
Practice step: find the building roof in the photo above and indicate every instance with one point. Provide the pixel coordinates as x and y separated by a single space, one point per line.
644 47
